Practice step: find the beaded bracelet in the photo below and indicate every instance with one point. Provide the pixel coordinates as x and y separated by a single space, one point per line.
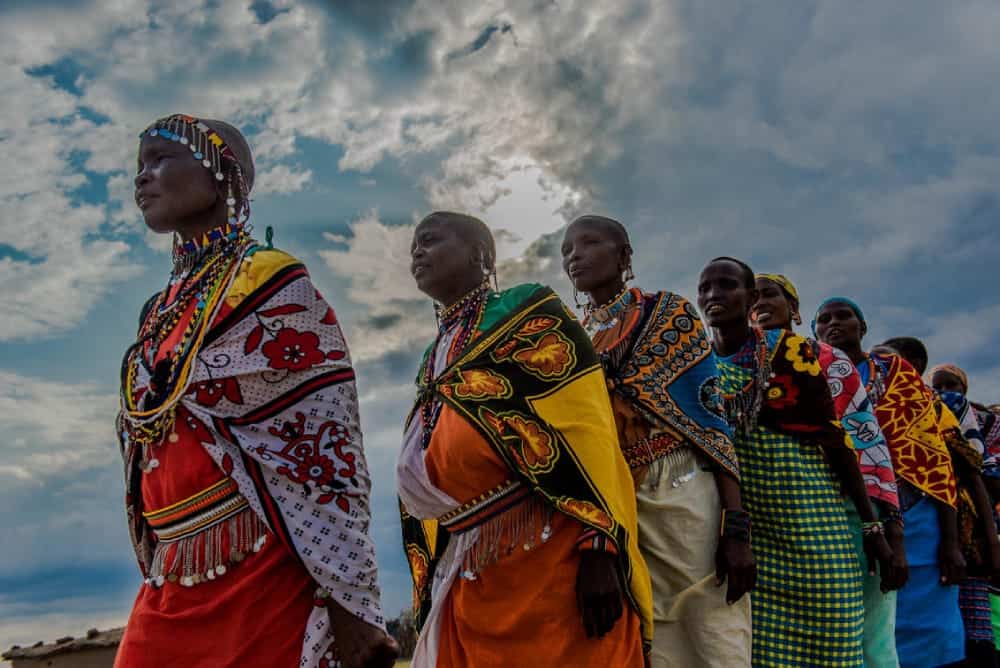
872 528
735 524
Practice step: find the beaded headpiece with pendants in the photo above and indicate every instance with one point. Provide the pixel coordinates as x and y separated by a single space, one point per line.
208 147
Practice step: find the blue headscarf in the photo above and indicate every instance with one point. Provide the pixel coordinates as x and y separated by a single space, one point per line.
839 300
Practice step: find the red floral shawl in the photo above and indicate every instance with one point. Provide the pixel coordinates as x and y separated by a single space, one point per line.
272 399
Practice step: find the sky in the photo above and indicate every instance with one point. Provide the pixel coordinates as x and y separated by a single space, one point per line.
851 145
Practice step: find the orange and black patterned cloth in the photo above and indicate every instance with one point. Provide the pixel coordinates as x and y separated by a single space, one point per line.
530 384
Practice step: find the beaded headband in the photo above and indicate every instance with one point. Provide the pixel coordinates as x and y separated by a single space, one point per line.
208 147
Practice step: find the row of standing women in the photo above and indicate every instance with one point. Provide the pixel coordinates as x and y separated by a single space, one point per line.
626 490
834 484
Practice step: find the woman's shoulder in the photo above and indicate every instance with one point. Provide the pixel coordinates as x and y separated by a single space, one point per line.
260 266
265 262
519 293
666 295
512 300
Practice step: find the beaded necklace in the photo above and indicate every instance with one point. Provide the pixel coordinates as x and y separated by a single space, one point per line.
743 406
875 384
187 254
199 292
467 314
605 316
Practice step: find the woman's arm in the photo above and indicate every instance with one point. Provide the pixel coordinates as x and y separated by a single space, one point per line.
950 558
984 508
844 463
733 558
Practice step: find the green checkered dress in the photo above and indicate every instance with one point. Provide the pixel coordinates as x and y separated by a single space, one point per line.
807 606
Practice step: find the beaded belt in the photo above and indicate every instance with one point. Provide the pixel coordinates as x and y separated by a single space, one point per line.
197 512
645 451
508 517
484 507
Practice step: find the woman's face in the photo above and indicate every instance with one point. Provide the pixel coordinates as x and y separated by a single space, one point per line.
171 187
945 381
772 310
839 326
724 297
443 264
591 256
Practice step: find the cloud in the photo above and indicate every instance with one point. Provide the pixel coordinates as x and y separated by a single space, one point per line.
52 428
375 261
389 314
850 145
281 179
58 268
72 111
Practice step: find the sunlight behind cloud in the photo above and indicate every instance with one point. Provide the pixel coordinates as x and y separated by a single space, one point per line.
530 206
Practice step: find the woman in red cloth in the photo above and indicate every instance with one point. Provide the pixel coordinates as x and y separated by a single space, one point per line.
246 484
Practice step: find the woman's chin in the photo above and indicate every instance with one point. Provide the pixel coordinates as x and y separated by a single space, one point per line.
156 224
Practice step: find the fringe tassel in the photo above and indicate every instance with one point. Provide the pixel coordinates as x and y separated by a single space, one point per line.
522 527
209 553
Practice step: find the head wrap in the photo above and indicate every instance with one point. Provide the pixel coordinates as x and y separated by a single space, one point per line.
839 300
783 281
953 370
238 143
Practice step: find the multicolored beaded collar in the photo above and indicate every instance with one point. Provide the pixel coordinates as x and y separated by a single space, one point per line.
186 254
605 316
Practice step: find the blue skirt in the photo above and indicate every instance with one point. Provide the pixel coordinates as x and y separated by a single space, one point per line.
929 630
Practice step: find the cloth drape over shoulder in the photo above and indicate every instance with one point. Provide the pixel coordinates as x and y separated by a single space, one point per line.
272 400
965 420
856 412
671 377
531 385
905 411
798 400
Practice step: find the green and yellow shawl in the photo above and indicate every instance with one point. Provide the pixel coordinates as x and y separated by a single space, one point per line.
531 384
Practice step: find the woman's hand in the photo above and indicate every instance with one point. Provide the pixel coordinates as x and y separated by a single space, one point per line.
951 562
879 557
895 575
734 562
599 592
359 644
